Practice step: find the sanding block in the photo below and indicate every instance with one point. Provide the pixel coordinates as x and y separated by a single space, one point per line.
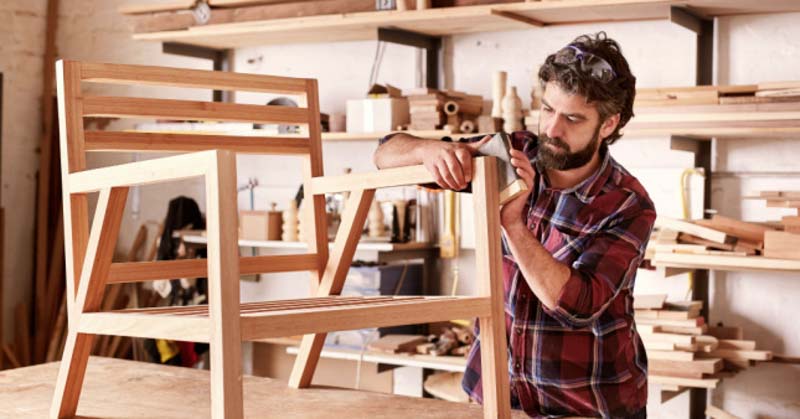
509 183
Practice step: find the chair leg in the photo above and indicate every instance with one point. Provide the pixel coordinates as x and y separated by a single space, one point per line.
306 362
71 373
494 369
223 289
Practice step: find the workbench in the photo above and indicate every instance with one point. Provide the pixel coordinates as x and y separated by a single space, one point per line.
127 389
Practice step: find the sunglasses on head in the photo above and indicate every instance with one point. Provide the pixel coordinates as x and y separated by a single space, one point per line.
599 68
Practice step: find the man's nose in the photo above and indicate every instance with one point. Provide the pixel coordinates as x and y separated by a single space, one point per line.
554 128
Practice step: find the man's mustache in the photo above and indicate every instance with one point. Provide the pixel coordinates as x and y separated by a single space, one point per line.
558 142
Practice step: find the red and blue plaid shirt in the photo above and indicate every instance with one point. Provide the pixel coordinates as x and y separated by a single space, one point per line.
584 357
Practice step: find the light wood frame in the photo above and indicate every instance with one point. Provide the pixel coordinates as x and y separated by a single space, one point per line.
224 323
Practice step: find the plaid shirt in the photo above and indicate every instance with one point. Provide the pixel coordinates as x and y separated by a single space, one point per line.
584 358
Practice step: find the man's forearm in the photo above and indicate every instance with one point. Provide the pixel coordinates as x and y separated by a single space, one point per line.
401 150
544 275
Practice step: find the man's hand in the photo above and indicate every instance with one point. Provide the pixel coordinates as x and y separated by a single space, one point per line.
511 213
451 163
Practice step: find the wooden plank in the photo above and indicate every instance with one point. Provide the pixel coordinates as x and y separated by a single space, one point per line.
306 321
747 345
717 413
697 366
196 268
183 328
397 176
684 382
130 107
161 142
783 245
722 332
693 229
741 229
144 172
186 77
488 259
670 355
161 6
649 301
223 288
22 333
737 354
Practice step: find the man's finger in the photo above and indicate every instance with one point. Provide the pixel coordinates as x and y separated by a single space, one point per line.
447 177
476 145
454 165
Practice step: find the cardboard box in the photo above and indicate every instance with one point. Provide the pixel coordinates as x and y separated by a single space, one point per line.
376 115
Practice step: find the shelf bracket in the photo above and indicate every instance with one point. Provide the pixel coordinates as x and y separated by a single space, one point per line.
431 44
704 28
701 148
220 57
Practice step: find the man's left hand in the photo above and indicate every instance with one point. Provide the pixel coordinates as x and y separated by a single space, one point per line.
511 213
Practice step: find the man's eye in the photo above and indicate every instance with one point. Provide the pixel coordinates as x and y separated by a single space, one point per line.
546 109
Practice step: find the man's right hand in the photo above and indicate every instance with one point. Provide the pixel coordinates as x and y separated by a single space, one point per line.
451 163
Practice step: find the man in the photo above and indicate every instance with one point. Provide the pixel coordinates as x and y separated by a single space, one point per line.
571 244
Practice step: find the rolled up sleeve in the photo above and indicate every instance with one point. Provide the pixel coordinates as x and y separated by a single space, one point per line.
607 265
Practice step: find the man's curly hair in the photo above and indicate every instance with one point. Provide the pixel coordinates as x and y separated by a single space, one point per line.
612 97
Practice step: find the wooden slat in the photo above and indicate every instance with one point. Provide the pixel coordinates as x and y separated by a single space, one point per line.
281 324
398 176
184 77
693 229
141 173
196 268
188 329
685 382
164 142
130 107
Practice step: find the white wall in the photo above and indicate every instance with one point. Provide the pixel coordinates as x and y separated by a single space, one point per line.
752 49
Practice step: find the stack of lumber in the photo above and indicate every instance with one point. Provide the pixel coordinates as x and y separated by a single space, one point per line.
719 95
783 244
432 109
683 351
183 14
720 236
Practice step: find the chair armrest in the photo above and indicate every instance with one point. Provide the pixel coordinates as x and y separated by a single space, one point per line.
144 172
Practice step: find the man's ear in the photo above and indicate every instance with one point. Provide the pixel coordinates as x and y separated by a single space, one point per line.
609 125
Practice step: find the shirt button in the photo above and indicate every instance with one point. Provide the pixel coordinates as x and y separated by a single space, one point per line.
519 330
517 366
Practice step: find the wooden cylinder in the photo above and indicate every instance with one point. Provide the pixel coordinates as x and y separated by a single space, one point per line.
498 91
423 4
451 107
467 126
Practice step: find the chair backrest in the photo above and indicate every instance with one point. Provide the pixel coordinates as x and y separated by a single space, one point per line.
74 106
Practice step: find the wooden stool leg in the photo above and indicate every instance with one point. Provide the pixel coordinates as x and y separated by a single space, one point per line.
70 375
488 258
223 289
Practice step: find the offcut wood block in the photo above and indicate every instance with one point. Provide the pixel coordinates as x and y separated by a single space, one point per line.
782 245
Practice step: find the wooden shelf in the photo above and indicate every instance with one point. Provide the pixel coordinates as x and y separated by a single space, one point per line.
375 136
725 263
440 363
774 120
452 20
275 244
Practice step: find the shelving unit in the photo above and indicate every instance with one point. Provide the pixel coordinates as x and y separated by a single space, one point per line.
439 22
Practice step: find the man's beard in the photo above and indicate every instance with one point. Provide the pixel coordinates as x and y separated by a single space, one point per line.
565 160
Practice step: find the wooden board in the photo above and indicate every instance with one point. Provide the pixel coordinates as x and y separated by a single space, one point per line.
693 229
649 301
741 229
116 387
780 244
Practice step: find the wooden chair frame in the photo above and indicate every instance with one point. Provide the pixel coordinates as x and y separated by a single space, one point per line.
224 323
